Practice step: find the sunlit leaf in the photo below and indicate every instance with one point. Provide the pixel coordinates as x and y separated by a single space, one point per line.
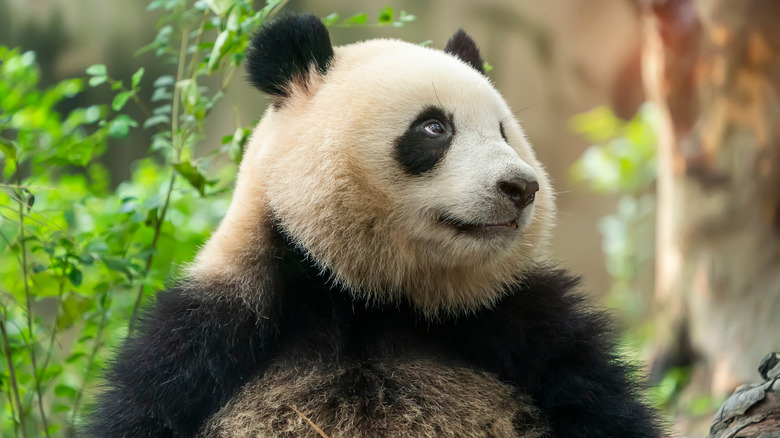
97 70
385 15
94 81
65 391
193 176
218 50
331 19
120 100
356 19
8 148
120 126
137 76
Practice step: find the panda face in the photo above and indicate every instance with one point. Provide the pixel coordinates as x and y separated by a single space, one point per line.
441 142
470 183
401 171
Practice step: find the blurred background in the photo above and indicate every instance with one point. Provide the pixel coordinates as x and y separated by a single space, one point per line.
657 120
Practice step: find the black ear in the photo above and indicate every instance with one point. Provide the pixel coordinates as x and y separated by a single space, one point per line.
286 50
462 46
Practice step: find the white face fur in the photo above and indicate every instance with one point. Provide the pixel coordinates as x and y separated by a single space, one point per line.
328 165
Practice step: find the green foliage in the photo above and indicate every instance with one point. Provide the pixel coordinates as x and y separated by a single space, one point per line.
386 18
77 256
623 158
622 161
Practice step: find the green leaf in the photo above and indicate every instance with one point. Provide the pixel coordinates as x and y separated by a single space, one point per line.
164 81
75 356
237 144
386 15
97 70
8 148
161 94
120 126
163 109
191 174
65 391
137 76
70 216
92 114
219 7
59 407
218 51
234 19
94 81
72 310
156 120
75 276
597 125
331 19
406 18
487 66
357 19
120 100
9 230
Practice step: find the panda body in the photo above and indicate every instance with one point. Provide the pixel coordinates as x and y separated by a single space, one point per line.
382 270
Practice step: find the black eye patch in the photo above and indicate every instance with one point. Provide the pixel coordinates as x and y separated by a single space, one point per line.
425 142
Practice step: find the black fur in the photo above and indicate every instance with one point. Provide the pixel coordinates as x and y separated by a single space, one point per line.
184 363
189 358
285 50
462 46
417 151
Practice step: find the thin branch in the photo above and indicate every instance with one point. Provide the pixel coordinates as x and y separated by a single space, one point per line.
50 349
198 38
150 258
12 372
18 186
28 297
176 141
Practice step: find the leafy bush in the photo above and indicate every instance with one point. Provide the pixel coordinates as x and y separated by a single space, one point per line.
622 161
77 256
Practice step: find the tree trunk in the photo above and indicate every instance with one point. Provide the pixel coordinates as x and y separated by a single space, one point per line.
754 410
713 68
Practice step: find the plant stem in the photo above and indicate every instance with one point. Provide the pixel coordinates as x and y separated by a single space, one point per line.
148 267
28 297
198 37
177 150
50 349
12 372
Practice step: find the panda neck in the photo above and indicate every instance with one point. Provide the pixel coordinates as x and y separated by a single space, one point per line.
261 267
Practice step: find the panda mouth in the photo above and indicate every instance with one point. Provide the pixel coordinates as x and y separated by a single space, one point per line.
472 227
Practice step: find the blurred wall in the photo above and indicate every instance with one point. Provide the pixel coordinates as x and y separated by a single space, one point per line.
551 60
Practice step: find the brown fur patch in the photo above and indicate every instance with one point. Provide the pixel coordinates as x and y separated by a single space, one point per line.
411 397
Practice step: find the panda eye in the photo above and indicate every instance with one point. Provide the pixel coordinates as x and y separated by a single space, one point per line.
434 128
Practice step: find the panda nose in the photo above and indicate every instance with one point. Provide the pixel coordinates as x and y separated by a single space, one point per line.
519 190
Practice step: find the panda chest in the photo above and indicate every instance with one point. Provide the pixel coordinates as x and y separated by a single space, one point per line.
422 397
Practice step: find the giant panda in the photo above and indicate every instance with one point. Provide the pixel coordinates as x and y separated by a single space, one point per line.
382 270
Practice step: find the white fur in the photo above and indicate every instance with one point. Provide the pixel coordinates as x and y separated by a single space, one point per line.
323 164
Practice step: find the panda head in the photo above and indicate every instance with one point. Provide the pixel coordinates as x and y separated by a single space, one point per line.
397 168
